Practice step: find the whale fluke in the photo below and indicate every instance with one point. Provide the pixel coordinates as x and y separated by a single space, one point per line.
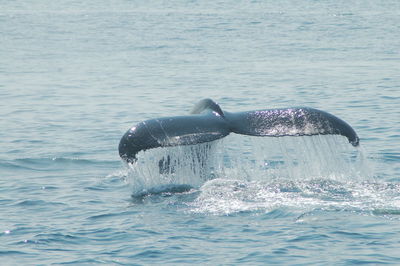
208 122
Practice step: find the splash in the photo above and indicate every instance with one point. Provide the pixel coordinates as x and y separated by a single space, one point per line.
302 174
242 173
174 168
223 197
296 158
246 158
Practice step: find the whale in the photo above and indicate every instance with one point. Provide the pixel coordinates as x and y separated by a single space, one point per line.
208 122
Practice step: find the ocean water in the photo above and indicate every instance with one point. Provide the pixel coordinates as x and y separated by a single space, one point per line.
75 75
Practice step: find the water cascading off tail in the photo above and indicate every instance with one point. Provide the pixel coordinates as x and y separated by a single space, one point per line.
247 158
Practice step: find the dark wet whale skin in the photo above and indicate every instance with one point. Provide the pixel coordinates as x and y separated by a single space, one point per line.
207 122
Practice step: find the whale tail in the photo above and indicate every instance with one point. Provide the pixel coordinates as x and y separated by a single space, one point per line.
299 121
208 122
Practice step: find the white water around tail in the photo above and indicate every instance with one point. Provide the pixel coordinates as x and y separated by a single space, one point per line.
175 168
241 173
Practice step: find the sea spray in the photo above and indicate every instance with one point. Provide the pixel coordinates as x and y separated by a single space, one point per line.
294 158
168 169
224 196
302 174
248 158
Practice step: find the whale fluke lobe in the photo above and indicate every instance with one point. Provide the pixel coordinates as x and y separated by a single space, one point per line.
299 121
208 122
172 131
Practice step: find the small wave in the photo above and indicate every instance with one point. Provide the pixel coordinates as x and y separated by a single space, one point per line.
52 164
148 254
386 212
164 190
56 238
25 203
40 203
391 157
83 262
12 253
111 215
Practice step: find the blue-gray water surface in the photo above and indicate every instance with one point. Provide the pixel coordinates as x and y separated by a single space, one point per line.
75 75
